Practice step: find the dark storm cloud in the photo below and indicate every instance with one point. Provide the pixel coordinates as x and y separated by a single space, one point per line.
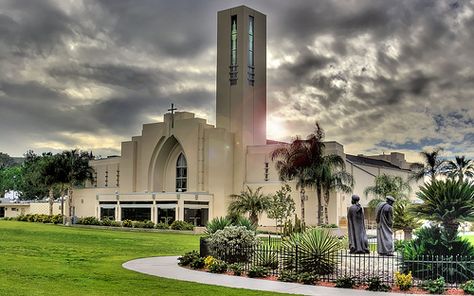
377 74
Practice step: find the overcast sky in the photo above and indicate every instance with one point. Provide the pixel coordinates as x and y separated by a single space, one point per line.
380 76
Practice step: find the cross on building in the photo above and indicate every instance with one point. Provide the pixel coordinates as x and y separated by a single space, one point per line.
172 109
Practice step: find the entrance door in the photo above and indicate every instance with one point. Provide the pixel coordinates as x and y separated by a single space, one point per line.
2 212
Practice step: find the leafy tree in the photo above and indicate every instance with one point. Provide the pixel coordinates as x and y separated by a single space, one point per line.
447 202
11 178
32 185
459 168
282 205
432 165
249 201
6 161
75 170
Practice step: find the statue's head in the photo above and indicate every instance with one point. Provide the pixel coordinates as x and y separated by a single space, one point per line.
355 199
390 200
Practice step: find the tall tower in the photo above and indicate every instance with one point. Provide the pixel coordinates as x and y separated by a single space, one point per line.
241 75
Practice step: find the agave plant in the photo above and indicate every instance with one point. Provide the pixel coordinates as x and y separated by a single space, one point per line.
267 256
311 251
217 223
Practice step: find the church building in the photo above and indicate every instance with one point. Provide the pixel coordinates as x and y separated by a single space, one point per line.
186 169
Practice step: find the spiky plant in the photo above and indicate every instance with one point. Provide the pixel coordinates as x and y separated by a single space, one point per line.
447 202
217 223
311 251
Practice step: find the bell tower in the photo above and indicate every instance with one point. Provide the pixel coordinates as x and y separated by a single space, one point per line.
241 75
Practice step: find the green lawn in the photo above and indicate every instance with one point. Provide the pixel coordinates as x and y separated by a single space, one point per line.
470 237
38 259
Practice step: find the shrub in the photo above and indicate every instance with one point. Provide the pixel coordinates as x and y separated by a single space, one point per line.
236 268
57 219
330 226
289 228
218 223
127 223
436 286
148 224
345 282
308 278
257 272
316 247
162 225
208 261
468 287
375 284
138 224
115 223
187 258
197 263
434 241
267 257
233 243
400 245
217 266
88 221
106 222
403 281
288 276
242 221
181 225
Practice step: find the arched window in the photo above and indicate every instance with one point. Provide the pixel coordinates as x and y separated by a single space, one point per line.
181 174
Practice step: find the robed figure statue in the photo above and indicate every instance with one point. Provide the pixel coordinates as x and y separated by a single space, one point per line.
384 221
358 243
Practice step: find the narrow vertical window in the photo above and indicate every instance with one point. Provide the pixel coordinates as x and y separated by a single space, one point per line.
266 170
251 64
181 173
233 50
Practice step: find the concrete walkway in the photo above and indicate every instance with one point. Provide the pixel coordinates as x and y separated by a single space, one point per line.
168 267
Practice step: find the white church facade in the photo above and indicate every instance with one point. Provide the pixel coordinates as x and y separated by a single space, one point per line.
186 169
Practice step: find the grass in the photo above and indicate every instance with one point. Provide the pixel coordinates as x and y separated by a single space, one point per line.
39 259
470 237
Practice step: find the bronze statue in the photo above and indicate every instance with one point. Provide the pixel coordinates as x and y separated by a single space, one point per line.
384 221
358 243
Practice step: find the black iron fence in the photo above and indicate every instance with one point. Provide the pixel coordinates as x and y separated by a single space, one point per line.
331 266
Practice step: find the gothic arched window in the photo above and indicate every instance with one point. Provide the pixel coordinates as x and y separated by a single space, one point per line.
181 174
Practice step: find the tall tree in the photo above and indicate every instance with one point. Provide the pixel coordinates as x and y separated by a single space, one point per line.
6 160
11 178
249 201
301 160
387 185
432 165
75 170
334 178
459 168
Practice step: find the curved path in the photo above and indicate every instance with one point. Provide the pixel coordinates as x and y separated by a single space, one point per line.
168 267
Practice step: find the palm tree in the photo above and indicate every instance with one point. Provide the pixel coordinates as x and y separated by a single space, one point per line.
459 168
385 185
334 178
75 170
252 202
448 202
50 174
432 165
403 218
301 160
287 157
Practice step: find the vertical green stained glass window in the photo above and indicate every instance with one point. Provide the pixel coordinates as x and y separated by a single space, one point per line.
251 64
233 41
233 51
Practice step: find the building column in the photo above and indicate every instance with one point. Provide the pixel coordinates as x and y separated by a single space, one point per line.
154 210
180 208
